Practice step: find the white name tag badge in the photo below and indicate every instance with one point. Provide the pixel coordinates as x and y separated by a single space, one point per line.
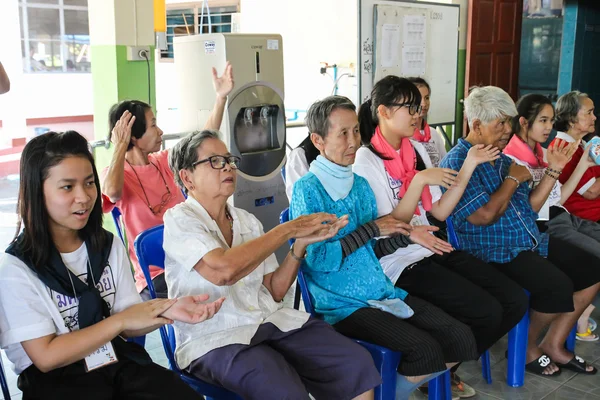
102 357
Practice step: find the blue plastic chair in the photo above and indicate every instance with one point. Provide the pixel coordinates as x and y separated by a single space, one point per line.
3 382
116 214
517 337
385 359
149 250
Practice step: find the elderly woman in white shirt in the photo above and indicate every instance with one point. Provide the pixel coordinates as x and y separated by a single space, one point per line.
222 250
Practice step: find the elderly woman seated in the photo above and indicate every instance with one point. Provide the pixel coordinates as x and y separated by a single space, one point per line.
254 346
345 279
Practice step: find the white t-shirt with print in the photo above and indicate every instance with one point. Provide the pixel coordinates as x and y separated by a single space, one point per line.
436 147
387 189
296 167
190 233
30 310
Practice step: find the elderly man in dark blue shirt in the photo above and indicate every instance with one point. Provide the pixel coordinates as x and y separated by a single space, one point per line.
495 221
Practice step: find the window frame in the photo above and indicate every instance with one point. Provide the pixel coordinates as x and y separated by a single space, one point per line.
61 7
196 8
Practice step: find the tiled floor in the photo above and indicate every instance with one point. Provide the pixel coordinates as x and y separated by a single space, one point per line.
567 386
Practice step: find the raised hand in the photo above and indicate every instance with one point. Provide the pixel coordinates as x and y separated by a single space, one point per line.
223 84
480 154
560 153
193 309
438 176
121 133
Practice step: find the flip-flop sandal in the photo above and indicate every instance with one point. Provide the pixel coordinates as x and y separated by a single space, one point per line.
587 336
592 324
538 366
578 364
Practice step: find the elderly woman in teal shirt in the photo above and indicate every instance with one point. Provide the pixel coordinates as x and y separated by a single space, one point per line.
346 282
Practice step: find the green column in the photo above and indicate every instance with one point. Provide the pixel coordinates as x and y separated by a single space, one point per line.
116 26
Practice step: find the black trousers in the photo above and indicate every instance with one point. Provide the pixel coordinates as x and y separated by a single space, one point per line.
160 287
551 281
471 291
428 340
119 381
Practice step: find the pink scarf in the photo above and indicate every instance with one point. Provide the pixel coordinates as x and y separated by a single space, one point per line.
401 165
422 135
521 150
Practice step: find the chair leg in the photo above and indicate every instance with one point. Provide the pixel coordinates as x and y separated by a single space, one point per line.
571 339
517 352
297 294
486 368
439 387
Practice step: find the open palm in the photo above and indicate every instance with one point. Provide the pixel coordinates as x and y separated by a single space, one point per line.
193 309
223 84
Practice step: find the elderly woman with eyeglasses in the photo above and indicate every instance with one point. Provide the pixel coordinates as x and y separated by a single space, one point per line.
254 346
138 180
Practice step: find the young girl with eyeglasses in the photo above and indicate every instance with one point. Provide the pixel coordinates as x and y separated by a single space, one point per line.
407 186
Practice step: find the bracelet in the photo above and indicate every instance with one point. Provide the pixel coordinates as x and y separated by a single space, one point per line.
552 175
553 170
513 178
295 257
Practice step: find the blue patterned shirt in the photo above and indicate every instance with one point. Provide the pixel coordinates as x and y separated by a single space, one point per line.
514 232
337 286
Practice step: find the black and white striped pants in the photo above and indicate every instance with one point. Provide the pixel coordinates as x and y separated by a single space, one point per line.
428 340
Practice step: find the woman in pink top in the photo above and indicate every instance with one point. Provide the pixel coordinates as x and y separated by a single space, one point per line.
138 180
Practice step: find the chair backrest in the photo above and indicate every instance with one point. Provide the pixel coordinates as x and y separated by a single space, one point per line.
452 237
116 214
149 250
308 306
283 218
283 173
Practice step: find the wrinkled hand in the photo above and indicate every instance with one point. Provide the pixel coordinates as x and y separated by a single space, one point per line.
193 309
223 84
327 231
310 224
121 133
423 235
389 226
147 314
480 154
560 153
444 177
520 172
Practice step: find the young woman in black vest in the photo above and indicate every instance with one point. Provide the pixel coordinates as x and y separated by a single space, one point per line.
67 297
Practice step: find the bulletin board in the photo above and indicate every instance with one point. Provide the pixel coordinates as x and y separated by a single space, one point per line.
407 38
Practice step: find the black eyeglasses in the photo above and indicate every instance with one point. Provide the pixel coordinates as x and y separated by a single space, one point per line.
412 108
219 162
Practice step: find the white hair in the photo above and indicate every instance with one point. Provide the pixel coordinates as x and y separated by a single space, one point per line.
487 104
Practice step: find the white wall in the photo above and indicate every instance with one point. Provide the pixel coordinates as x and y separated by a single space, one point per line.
313 31
34 95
